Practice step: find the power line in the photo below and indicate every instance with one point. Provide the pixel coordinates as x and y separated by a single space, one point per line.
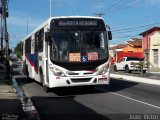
142 26
151 18
111 7
126 36
123 6
115 4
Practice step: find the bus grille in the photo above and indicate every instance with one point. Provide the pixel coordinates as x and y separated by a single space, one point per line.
81 80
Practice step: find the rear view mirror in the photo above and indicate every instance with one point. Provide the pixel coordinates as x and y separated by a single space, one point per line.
109 32
109 35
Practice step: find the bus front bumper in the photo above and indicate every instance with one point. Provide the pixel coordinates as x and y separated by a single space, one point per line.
56 81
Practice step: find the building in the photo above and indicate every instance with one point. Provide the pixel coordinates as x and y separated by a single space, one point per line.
115 49
133 47
151 46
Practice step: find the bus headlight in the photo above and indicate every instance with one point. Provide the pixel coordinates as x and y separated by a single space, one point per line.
103 70
57 72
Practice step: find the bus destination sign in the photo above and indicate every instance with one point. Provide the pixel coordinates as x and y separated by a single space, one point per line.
77 23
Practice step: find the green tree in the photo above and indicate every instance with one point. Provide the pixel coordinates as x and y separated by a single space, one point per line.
19 50
141 65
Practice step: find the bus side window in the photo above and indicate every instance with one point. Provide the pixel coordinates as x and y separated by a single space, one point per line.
28 46
36 43
41 39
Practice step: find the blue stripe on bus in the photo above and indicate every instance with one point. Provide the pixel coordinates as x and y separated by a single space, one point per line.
33 60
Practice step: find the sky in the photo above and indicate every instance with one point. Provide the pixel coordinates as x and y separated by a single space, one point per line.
126 18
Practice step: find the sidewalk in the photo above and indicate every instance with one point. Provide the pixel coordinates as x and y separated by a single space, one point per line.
10 105
136 79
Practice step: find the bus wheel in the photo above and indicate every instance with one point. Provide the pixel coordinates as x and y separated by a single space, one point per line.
45 88
27 73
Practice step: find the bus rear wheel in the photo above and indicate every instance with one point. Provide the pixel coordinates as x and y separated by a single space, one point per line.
45 88
26 72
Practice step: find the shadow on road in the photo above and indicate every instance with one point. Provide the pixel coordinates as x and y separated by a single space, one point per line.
117 85
77 90
24 80
10 109
64 108
114 86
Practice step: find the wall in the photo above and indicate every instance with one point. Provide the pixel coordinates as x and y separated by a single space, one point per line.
155 44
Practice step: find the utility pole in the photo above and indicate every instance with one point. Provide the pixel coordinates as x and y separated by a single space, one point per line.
27 20
99 14
4 19
50 4
1 36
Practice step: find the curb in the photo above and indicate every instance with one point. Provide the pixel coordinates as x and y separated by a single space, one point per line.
135 79
26 102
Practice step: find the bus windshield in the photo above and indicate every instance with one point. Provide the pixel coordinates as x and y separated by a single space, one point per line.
78 45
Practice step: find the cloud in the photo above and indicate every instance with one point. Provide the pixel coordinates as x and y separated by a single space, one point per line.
153 2
98 6
17 24
147 2
22 22
19 19
135 3
144 2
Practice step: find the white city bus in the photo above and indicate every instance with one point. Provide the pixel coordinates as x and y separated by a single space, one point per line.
68 51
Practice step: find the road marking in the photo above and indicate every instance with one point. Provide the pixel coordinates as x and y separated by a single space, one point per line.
131 98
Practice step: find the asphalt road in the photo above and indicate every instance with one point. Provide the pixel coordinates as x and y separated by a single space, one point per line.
151 75
121 100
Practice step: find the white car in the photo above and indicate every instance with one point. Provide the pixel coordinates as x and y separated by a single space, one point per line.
129 64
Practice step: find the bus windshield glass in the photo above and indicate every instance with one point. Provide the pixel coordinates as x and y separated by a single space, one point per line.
78 45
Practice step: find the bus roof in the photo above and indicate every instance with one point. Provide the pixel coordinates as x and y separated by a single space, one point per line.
59 17
76 17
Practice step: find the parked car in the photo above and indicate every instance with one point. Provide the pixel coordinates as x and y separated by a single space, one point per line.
129 64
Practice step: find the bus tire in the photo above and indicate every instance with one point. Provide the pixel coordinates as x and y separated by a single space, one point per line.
45 88
26 72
